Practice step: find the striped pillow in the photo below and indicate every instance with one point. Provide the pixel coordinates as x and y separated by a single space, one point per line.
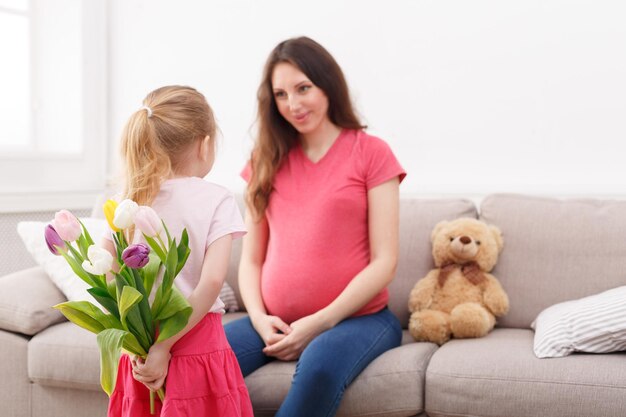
594 324
227 295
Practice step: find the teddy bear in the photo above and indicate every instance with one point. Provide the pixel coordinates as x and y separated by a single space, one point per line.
459 298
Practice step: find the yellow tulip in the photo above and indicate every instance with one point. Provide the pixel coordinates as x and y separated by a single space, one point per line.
109 212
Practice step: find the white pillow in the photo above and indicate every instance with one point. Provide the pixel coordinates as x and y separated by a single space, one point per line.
60 273
594 324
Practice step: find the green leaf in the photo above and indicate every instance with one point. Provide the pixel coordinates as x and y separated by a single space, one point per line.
99 280
78 269
155 247
183 251
120 283
129 298
130 315
174 324
86 315
105 299
157 304
112 289
167 232
144 306
82 246
176 315
175 303
84 240
86 234
171 264
129 277
132 345
150 272
120 243
110 342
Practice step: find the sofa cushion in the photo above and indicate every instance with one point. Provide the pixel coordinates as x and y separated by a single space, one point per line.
65 356
15 392
50 401
499 375
555 250
418 217
26 300
392 385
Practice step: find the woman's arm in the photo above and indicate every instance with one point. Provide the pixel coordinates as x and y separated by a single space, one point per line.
383 225
270 328
153 371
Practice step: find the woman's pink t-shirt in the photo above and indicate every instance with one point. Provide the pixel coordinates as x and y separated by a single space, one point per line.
317 217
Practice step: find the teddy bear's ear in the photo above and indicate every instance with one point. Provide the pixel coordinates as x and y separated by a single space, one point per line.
497 235
437 229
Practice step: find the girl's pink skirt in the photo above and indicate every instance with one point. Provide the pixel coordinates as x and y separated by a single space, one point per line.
204 379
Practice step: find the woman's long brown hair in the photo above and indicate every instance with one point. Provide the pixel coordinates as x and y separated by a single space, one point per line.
276 136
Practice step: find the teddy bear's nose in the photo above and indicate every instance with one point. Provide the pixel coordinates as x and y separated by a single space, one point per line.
465 240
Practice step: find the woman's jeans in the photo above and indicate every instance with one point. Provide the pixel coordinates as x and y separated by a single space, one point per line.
327 365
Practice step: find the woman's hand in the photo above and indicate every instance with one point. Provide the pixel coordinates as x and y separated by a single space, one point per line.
153 370
303 331
271 328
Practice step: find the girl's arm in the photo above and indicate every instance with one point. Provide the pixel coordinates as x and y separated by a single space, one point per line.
270 328
153 371
383 225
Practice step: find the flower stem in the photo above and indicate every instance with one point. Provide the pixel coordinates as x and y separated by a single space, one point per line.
165 248
161 394
151 402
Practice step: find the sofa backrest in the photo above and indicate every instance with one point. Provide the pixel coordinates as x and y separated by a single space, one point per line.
417 220
555 250
418 217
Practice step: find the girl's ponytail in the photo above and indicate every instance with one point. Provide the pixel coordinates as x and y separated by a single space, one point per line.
147 164
156 138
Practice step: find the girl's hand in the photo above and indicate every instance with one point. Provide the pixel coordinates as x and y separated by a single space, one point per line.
153 371
271 328
303 331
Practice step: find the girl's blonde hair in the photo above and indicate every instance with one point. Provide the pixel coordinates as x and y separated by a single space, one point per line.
157 137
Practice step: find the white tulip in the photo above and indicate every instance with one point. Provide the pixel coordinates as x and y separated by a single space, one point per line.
125 214
99 262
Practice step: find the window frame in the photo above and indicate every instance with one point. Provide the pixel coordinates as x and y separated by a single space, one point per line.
39 180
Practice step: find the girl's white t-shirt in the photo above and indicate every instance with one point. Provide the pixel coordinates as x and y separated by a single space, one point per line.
208 212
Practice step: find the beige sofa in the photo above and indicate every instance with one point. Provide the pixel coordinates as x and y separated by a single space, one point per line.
554 251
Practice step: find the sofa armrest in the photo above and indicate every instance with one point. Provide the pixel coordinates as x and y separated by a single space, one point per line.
26 300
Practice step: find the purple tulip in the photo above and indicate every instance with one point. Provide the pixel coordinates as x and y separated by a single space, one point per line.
136 256
53 240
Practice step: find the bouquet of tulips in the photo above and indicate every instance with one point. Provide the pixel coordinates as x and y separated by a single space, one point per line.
129 321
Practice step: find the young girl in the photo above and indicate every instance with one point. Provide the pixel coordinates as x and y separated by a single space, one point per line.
326 193
168 147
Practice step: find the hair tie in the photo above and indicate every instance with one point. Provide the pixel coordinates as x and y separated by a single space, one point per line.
148 109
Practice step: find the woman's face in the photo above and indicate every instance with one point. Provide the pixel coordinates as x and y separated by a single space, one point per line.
299 101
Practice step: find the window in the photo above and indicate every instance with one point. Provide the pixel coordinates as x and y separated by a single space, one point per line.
14 75
53 107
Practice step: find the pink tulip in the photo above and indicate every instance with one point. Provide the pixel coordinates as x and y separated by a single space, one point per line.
67 226
148 221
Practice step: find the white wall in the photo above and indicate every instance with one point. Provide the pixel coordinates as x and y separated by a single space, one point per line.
474 97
